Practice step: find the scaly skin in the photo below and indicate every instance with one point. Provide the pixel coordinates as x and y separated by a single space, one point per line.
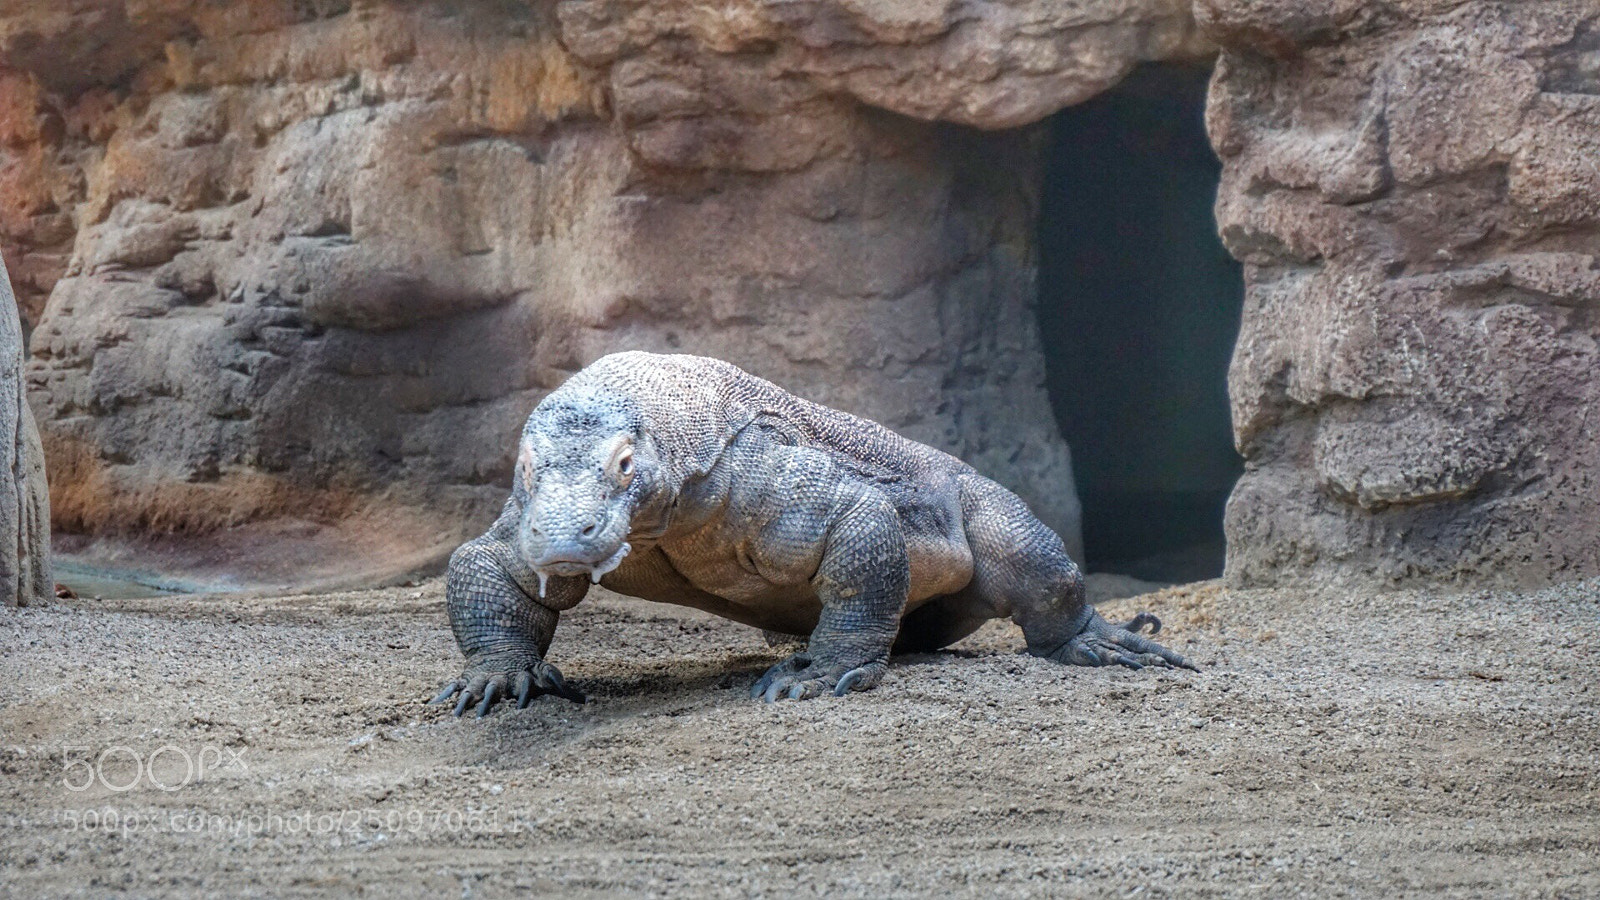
686 480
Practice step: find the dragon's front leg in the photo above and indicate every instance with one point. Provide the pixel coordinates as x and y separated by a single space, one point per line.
862 581
503 629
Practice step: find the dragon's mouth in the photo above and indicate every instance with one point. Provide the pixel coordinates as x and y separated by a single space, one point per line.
595 571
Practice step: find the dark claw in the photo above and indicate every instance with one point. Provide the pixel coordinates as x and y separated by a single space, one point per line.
1155 654
785 680
1138 622
559 686
491 693
1102 643
448 692
848 682
461 705
785 688
524 686
759 689
1132 640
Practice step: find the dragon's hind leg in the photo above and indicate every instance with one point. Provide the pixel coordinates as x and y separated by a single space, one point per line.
1021 570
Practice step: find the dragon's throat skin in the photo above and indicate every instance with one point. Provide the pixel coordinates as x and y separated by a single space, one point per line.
686 480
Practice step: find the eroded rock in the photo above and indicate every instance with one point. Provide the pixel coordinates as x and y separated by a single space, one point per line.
310 264
25 572
1412 187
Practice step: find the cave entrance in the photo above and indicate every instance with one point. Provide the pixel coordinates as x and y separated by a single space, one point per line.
1139 308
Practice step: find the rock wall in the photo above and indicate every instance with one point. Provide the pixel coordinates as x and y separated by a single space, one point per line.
1413 187
309 264
296 270
25 572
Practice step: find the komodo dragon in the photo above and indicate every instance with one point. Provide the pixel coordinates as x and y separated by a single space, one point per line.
686 480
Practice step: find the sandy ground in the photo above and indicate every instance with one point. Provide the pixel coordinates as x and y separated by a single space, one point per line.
1389 745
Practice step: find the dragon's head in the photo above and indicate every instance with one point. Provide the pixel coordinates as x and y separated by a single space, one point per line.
585 468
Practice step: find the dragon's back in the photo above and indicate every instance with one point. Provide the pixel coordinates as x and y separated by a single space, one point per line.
695 405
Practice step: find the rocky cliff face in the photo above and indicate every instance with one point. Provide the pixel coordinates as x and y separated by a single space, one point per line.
297 270
1413 189
25 571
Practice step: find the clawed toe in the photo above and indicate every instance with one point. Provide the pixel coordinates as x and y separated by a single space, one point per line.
795 688
781 674
451 688
798 678
801 690
523 684
466 699
1102 643
787 686
491 693
1138 623
860 679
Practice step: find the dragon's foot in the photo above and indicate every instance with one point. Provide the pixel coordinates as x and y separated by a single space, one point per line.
800 677
505 676
1103 643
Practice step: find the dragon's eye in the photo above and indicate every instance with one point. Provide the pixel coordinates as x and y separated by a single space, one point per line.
621 464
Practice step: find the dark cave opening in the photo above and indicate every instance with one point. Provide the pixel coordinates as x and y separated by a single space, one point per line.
1139 309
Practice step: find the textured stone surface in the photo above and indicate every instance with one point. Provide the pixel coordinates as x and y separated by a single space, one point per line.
987 64
25 576
1414 191
311 263
297 269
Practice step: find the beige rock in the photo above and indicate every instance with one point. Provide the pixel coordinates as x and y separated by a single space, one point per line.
1412 185
308 264
325 257
25 572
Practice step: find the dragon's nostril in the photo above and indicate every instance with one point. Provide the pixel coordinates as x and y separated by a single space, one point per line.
590 530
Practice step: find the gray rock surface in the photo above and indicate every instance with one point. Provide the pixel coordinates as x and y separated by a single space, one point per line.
309 264
298 269
1413 189
24 498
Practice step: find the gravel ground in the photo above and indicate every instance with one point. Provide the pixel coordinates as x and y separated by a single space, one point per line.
1351 745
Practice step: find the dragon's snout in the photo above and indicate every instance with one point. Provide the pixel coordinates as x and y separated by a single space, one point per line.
556 565
572 563
571 547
